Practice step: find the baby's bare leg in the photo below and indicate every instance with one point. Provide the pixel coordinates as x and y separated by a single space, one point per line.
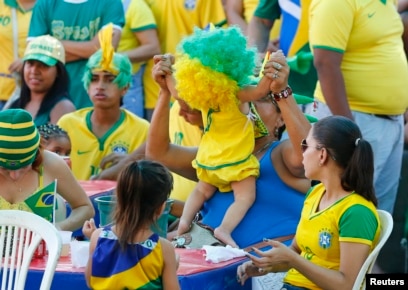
244 197
202 192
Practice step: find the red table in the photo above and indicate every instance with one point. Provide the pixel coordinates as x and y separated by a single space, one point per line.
194 273
93 189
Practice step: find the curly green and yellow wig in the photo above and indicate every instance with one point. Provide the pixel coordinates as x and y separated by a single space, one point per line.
212 65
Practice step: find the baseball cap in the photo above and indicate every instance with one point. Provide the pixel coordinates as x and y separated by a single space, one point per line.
19 139
46 49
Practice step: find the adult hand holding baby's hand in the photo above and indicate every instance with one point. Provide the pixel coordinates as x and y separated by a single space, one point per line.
277 69
162 68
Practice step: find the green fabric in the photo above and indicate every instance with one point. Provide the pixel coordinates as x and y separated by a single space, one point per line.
301 62
264 8
301 81
356 215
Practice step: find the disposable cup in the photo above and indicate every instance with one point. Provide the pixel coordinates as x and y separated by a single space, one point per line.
66 239
79 253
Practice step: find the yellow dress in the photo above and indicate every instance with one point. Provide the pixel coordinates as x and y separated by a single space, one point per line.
225 151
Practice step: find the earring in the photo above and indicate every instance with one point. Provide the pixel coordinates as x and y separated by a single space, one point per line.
276 133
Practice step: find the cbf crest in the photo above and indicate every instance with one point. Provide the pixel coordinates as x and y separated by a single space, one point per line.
190 4
325 238
120 148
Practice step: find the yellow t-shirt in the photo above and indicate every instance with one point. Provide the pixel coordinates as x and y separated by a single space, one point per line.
176 19
351 219
87 151
374 65
138 17
7 83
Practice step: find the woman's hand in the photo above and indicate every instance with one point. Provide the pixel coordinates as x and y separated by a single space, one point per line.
274 260
278 70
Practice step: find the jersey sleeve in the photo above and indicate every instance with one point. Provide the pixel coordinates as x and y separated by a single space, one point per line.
268 9
326 33
358 224
142 17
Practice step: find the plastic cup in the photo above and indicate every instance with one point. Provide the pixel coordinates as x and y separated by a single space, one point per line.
161 224
66 239
79 253
106 205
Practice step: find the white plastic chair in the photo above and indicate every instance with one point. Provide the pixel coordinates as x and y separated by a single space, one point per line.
20 234
387 224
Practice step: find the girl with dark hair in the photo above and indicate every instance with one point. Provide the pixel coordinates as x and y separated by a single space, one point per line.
55 139
339 225
44 88
129 255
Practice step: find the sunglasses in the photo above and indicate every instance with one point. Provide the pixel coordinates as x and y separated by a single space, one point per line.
304 146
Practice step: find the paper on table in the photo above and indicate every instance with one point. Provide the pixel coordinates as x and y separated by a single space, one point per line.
217 254
270 281
79 253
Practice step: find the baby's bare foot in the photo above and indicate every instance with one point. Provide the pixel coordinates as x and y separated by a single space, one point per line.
225 237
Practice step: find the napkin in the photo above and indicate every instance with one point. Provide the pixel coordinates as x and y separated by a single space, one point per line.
217 254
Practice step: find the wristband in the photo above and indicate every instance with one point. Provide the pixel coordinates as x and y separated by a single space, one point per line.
282 94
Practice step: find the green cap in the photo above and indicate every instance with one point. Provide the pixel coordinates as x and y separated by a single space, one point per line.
46 49
19 139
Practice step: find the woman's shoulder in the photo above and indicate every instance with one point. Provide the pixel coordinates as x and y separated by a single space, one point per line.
65 102
52 162
63 106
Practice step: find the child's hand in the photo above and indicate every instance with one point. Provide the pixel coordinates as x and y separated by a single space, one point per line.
169 59
162 68
88 228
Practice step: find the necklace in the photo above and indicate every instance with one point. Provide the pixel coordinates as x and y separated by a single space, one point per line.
17 182
263 148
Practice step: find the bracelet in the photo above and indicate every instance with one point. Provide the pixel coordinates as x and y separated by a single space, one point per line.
283 94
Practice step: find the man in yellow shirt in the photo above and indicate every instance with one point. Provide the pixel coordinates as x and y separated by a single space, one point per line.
104 128
176 19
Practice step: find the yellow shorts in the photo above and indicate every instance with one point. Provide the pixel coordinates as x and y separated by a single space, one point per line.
222 177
